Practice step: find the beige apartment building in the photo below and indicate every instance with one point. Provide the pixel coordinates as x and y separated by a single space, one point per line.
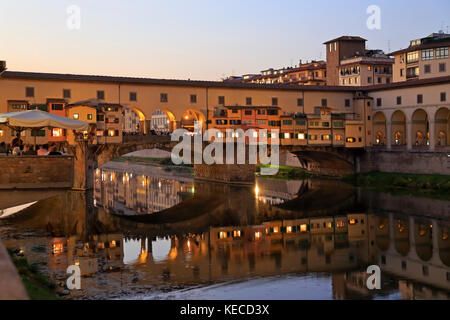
425 58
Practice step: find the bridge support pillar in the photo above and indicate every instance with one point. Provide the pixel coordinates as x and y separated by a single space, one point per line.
84 165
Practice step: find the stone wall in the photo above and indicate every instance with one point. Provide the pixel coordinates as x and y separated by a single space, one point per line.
11 287
405 162
227 173
33 172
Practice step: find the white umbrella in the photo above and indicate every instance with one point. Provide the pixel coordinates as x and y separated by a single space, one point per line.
37 119
40 119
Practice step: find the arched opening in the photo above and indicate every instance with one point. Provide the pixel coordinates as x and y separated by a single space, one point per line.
442 120
398 123
134 121
401 236
420 128
162 122
423 239
191 117
444 244
379 126
382 233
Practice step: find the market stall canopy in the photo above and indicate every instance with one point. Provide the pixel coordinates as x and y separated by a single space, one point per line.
40 119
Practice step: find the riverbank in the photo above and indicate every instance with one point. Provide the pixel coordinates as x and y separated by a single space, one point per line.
37 286
432 186
286 172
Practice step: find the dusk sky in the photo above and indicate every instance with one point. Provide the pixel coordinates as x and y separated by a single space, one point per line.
201 39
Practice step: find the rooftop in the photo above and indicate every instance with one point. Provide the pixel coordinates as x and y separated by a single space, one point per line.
347 38
163 82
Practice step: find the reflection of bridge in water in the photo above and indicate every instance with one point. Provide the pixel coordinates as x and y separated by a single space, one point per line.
237 241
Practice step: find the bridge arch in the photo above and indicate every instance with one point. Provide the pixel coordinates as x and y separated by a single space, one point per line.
442 123
401 236
141 116
398 128
162 120
423 239
382 233
190 116
379 129
420 128
444 244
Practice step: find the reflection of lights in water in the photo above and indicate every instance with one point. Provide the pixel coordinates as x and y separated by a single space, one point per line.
161 249
57 248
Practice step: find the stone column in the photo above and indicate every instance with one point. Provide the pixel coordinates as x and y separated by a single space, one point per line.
388 135
432 135
435 237
409 135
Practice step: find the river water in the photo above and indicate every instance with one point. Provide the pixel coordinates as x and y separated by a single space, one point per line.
152 233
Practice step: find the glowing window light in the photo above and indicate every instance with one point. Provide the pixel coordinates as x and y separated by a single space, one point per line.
289 229
301 136
287 135
258 235
303 228
352 221
222 235
57 132
237 233
111 133
340 224
113 244
256 190
329 225
77 263
2 133
255 134
381 226
276 229
76 116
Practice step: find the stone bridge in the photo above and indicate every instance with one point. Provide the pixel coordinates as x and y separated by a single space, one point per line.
321 160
